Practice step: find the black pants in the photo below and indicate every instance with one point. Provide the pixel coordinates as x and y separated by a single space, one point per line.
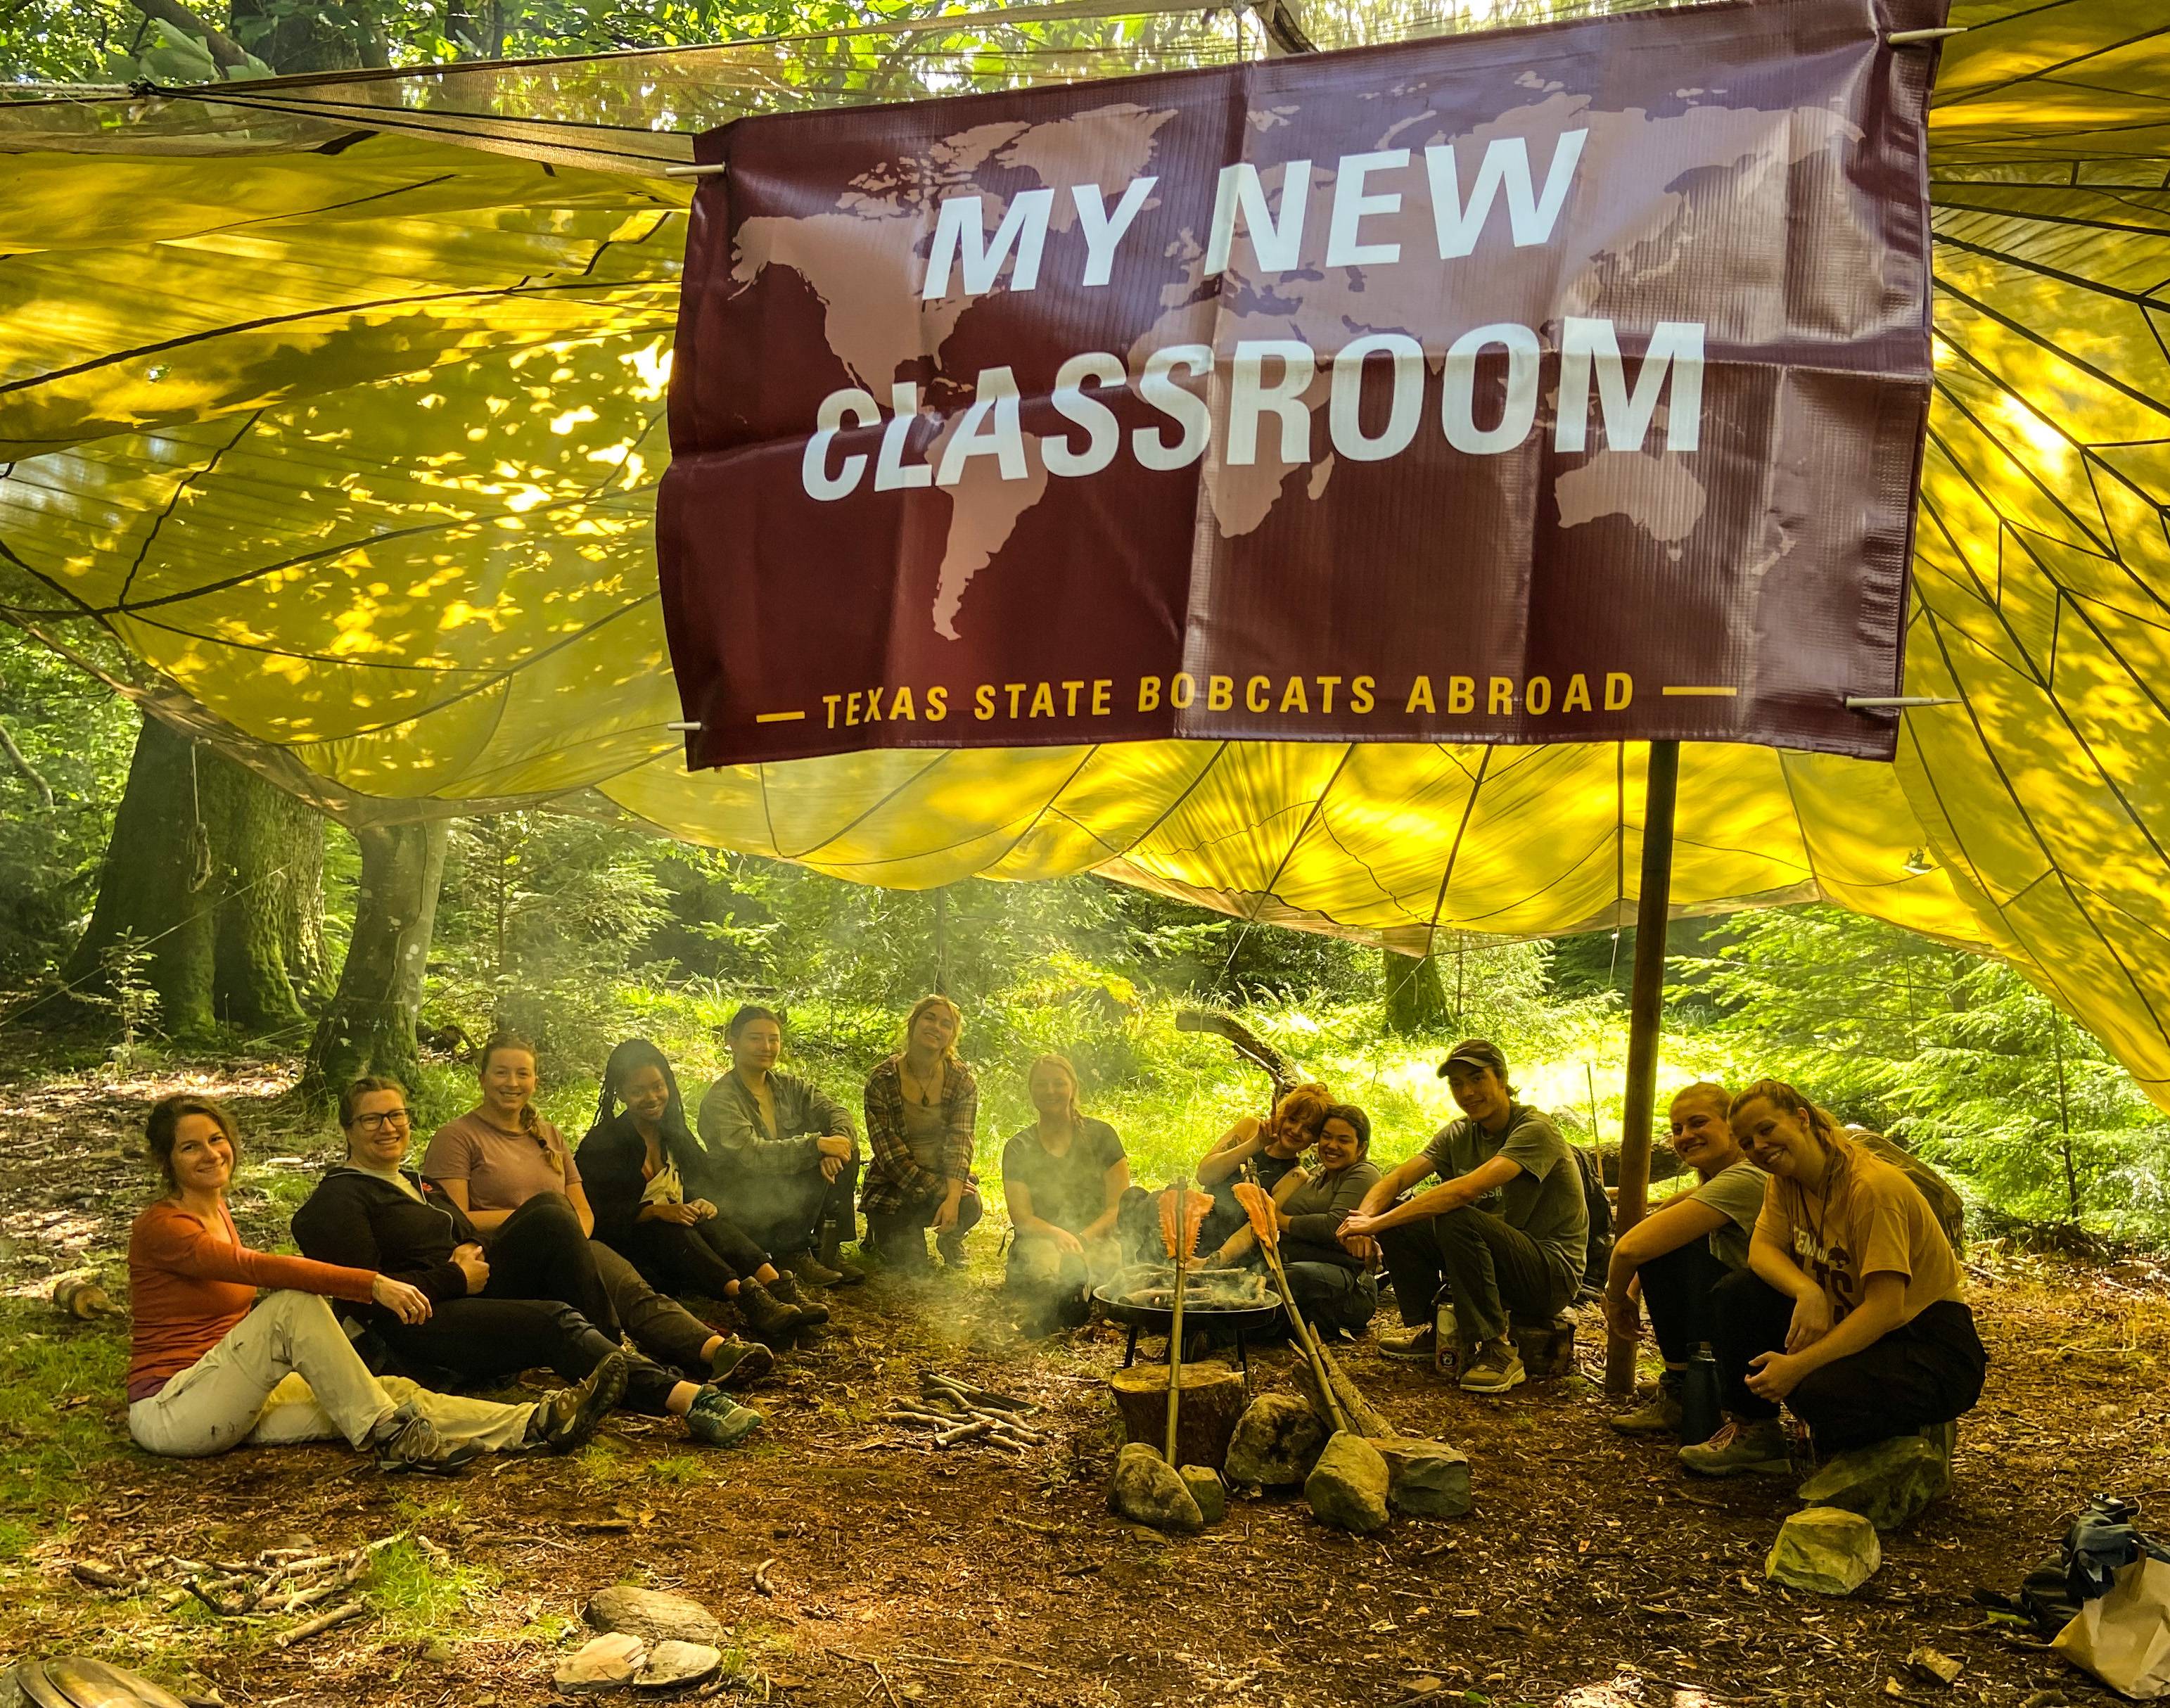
486 1339
659 1326
1677 1288
704 1259
901 1235
787 1214
1332 1295
1493 1271
1927 1371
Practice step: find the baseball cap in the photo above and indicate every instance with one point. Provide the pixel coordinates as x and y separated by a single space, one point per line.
1474 1052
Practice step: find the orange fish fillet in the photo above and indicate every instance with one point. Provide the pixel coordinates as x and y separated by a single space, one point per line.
1258 1205
1197 1205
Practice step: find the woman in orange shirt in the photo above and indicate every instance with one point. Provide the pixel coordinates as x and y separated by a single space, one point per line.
207 1373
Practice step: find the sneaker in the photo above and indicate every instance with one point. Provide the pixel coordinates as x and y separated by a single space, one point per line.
410 1442
786 1288
768 1318
951 1246
565 1419
809 1271
1493 1370
719 1420
1660 1416
1757 1448
737 1362
1417 1347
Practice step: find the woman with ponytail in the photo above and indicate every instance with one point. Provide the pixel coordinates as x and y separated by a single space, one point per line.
1852 1309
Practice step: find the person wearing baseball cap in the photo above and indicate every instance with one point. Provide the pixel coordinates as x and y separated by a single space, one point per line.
1503 1231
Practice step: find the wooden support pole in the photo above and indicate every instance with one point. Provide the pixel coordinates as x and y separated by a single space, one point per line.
1645 1014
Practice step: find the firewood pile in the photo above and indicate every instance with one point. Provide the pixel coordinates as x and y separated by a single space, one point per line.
277 1584
957 1412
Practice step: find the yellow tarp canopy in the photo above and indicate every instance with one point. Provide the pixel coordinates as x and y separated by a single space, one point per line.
332 415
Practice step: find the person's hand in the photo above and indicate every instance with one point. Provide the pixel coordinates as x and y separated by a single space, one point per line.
410 1304
473 1265
1811 1321
703 1210
834 1144
1359 1227
682 1215
1623 1317
831 1166
1065 1241
1774 1375
1360 1246
945 1218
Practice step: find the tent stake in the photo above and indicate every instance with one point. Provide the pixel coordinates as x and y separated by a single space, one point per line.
1645 1012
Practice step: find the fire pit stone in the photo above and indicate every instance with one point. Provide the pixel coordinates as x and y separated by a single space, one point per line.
1147 1490
1277 1441
1206 1488
1425 1479
1347 1488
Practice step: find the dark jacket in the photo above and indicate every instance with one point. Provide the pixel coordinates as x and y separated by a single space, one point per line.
611 1157
363 1221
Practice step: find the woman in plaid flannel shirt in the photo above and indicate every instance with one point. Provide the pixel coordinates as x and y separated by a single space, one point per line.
921 1104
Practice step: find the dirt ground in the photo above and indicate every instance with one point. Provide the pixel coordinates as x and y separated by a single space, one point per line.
968 1576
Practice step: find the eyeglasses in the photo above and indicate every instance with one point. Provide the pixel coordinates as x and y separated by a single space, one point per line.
377 1123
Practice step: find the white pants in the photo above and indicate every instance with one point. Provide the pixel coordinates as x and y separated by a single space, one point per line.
287 1373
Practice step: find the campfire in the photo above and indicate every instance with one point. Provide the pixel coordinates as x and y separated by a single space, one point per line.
1152 1286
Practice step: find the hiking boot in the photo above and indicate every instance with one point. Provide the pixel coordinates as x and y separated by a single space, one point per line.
767 1317
809 1271
565 1419
784 1288
1417 1347
719 1420
951 1246
1757 1448
1493 1368
737 1362
410 1442
1660 1415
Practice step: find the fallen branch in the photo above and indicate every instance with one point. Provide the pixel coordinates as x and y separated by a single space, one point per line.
322 1622
98 1577
761 1583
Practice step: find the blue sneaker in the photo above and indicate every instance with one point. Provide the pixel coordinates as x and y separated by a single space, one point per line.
719 1420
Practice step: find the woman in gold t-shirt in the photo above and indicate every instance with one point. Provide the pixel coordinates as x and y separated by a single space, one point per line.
1852 1309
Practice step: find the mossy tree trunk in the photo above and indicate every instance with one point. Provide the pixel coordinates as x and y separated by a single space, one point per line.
1415 1001
370 1026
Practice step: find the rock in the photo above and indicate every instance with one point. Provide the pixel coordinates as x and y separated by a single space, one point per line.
653 1615
1147 1490
1825 1550
1347 1486
673 1665
1425 1479
1277 1440
1889 1483
606 1662
1206 1488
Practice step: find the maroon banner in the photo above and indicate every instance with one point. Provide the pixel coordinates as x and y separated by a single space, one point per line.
1556 384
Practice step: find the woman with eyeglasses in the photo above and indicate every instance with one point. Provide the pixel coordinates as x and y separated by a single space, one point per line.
211 1367
650 1181
511 1173
490 1317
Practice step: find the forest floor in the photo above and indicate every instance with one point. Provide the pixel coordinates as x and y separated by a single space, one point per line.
971 1576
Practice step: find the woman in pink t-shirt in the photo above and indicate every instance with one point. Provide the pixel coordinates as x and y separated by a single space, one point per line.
511 1170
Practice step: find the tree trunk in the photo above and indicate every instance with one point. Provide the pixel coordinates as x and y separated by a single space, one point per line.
370 1026
221 876
1414 1000
1213 1398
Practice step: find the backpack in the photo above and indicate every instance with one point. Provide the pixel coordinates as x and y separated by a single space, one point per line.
1597 1255
1944 1203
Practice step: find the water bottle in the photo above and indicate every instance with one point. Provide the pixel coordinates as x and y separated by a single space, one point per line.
1701 1413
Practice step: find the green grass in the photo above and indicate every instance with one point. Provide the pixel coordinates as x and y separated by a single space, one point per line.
62 1414
417 1597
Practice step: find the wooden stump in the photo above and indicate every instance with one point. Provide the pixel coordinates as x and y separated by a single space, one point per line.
1213 1398
1547 1349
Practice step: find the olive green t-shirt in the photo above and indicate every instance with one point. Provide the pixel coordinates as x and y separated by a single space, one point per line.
1737 1194
1544 1200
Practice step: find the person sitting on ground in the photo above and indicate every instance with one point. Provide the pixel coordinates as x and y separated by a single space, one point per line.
649 1179
921 1106
534 1298
1063 1178
1523 1258
206 1373
1678 1253
510 1173
1334 1285
1272 1148
1852 1309
782 1154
